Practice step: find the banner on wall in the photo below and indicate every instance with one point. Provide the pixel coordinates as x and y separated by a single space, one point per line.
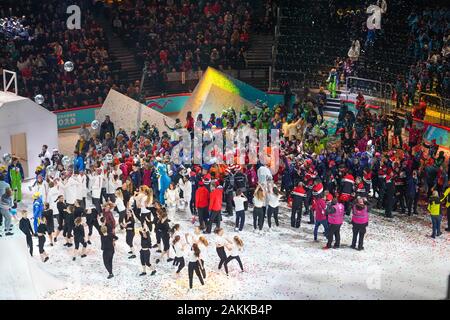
75 117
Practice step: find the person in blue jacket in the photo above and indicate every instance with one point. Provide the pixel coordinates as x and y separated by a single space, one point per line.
38 208
78 162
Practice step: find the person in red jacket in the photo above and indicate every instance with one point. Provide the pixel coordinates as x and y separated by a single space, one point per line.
215 206
202 204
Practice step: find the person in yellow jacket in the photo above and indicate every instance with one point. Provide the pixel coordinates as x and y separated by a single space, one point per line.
434 206
446 201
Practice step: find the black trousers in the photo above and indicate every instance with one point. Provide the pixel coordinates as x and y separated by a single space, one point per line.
411 203
231 258
78 242
381 193
30 243
193 266
389 202
215 218
145 257
359 230
122 215
272 211
334 230
129 238
41 242
108 260
258 218
203 216
222 256
229 203
400 198
179 261
97 204
296 215
91 224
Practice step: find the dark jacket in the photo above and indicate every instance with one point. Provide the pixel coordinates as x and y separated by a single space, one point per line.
107 127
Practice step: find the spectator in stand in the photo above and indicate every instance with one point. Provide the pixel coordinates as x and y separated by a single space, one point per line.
40 58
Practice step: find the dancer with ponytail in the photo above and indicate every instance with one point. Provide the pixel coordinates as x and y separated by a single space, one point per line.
178 248
194 265
236 248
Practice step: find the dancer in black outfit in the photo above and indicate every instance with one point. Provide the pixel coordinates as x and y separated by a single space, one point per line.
41 231
92 221
48 214
108 250
163 228
25 227
78 211
221 242
146 244
194 265
78 235
128 225
62 206
69 222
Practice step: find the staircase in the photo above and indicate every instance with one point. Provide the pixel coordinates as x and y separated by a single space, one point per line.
130 69
258 60
259 56
333 105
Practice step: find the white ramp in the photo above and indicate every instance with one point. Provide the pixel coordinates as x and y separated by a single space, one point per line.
21 276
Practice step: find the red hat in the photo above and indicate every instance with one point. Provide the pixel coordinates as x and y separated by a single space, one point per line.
332 163
389 171
377 154
329 197
192 174
200 183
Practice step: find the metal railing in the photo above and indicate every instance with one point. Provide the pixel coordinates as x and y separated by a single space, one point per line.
382 91
438 104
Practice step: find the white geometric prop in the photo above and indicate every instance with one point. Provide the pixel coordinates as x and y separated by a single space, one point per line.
13 78
374 20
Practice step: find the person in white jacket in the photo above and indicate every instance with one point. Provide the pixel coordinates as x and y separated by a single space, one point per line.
42 187
96 179
111 184
83 185
186 186
70 189
172 197
54 192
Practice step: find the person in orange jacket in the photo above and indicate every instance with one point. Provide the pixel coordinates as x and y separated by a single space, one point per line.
202 204
215 206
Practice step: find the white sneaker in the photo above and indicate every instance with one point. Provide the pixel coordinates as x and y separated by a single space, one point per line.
236 229
269 230
255 230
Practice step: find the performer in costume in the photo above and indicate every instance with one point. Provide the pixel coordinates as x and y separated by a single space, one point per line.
16 176
332 81
38 208
163 179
